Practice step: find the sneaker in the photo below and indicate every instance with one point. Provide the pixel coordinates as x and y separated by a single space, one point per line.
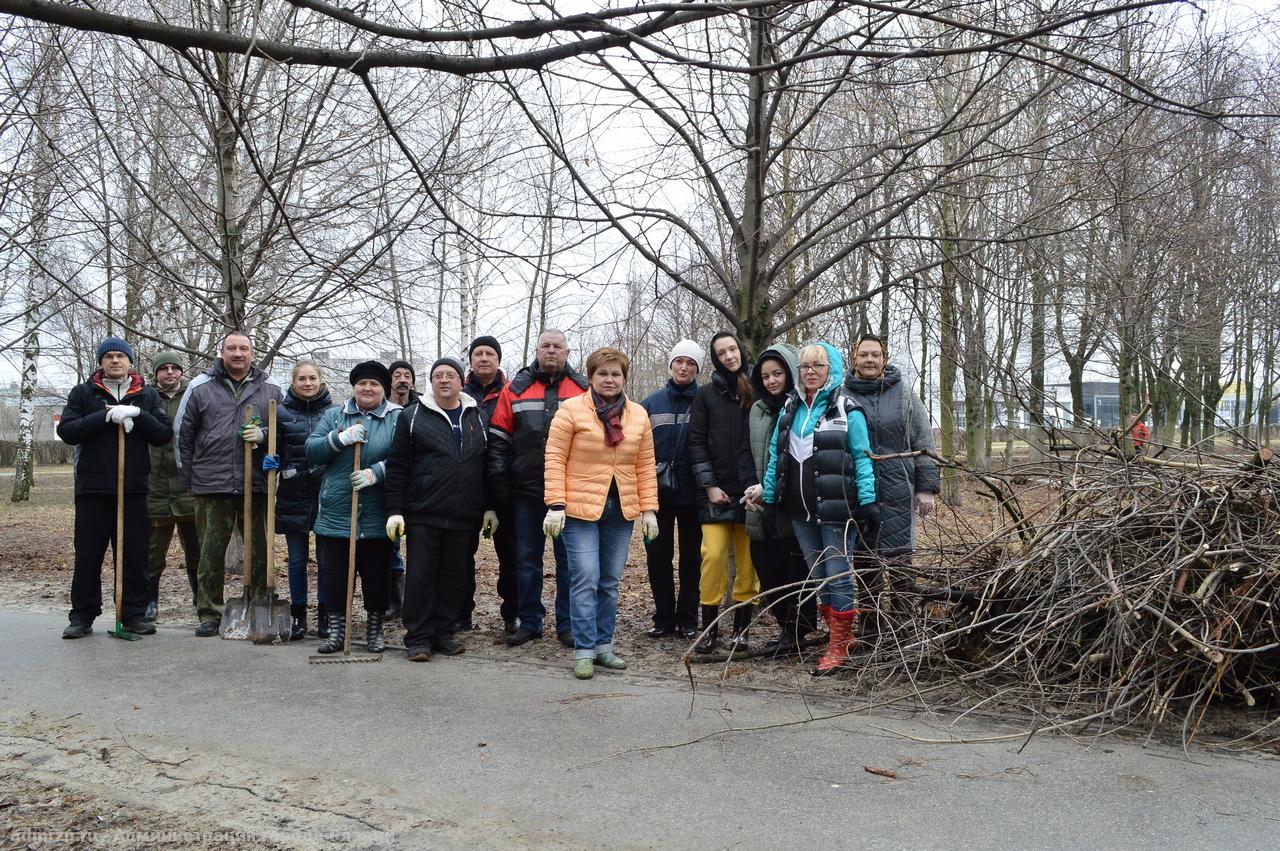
584 669
688 633
418 654
448 646
608 659
77 629
660 632
566 638
207 629
141 626
522 636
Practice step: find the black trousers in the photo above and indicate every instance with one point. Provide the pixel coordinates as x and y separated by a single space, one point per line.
779 562
438 569
504 544
95 528
373 566
671 610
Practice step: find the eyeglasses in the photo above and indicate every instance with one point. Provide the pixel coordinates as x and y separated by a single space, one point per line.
814 367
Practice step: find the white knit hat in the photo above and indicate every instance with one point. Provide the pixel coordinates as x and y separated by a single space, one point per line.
686 349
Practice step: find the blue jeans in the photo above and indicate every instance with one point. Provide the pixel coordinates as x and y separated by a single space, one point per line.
298 544
829 548
397 560
528 513
597 553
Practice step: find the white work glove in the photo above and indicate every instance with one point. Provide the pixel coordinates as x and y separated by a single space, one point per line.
121 414
553 523
753 498
354 434
395 527
924 504
490 524
649 525
362 479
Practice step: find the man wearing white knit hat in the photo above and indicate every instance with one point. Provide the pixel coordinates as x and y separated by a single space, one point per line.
677 498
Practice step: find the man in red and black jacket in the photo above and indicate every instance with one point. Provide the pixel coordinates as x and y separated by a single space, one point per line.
114 397
517 449
485 381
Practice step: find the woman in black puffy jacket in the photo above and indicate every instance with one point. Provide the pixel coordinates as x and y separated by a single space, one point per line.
298 491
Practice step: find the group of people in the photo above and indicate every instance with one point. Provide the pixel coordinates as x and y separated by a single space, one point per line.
771 460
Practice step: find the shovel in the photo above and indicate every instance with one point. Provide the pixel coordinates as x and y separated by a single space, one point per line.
116 550
269 619
235 617
346 656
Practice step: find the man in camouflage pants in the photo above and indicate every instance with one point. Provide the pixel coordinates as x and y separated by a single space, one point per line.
169 506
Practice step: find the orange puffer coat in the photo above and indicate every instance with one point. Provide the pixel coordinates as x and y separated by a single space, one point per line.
580 465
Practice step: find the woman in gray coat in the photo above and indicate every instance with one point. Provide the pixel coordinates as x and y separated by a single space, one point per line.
897 422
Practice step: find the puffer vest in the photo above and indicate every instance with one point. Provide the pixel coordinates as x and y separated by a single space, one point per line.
828 485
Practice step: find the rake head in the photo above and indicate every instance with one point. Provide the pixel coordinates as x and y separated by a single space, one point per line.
335 659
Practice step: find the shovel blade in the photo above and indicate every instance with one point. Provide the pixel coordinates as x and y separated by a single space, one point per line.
270 622
235 620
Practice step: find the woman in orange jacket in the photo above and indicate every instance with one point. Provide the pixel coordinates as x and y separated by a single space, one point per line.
599 478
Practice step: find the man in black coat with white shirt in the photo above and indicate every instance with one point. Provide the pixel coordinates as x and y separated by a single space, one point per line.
114 397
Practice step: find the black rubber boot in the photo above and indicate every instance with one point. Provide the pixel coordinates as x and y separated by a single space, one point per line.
337 632
374 642
741 623
396 604
322 621
298 626
712 637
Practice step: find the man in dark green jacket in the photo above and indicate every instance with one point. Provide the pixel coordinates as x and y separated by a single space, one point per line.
169 506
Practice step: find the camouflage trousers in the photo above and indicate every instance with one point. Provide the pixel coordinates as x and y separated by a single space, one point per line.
162 529
216 518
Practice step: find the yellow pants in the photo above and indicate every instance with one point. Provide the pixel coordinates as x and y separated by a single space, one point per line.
716 540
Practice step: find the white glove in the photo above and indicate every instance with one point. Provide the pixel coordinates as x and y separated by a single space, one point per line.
128 425
362 479
924 504
649 525
395 527
490 524
122 414
354 434
553 523
753 497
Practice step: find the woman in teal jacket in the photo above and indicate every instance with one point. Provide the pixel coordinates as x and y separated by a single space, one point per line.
367 418
820 472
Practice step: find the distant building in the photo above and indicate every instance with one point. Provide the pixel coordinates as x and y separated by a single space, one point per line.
1101 403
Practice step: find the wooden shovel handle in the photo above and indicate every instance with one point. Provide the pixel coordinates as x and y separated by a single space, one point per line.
246 525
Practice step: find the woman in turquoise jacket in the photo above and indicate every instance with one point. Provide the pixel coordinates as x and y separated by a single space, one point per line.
820 472
367 418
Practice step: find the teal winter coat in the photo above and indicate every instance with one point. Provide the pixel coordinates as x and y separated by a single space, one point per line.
324 450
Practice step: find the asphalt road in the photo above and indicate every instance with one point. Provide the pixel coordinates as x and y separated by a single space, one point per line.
478 751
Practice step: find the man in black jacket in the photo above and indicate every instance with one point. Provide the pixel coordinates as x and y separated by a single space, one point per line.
113 398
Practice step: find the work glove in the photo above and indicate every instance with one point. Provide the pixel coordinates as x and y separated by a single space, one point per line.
649 525
924 504
553 523
868 519
490 525
362 479
353 434
122 413
395 527
753 497
251 432
270 462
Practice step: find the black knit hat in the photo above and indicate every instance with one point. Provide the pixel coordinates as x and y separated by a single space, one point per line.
453 364
403 364
486 340
371 369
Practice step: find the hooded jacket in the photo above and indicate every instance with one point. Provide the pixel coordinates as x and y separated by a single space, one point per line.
298 487
518 429
430 480
84 424
324 450
819 467
897 422
210 453
669 412
167 499
715 442
759 426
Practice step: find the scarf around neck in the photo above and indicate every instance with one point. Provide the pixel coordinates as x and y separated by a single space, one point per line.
610 413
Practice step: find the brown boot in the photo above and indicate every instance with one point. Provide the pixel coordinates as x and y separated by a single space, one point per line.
840 642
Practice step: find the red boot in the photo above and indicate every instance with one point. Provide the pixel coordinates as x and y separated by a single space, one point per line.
839 644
